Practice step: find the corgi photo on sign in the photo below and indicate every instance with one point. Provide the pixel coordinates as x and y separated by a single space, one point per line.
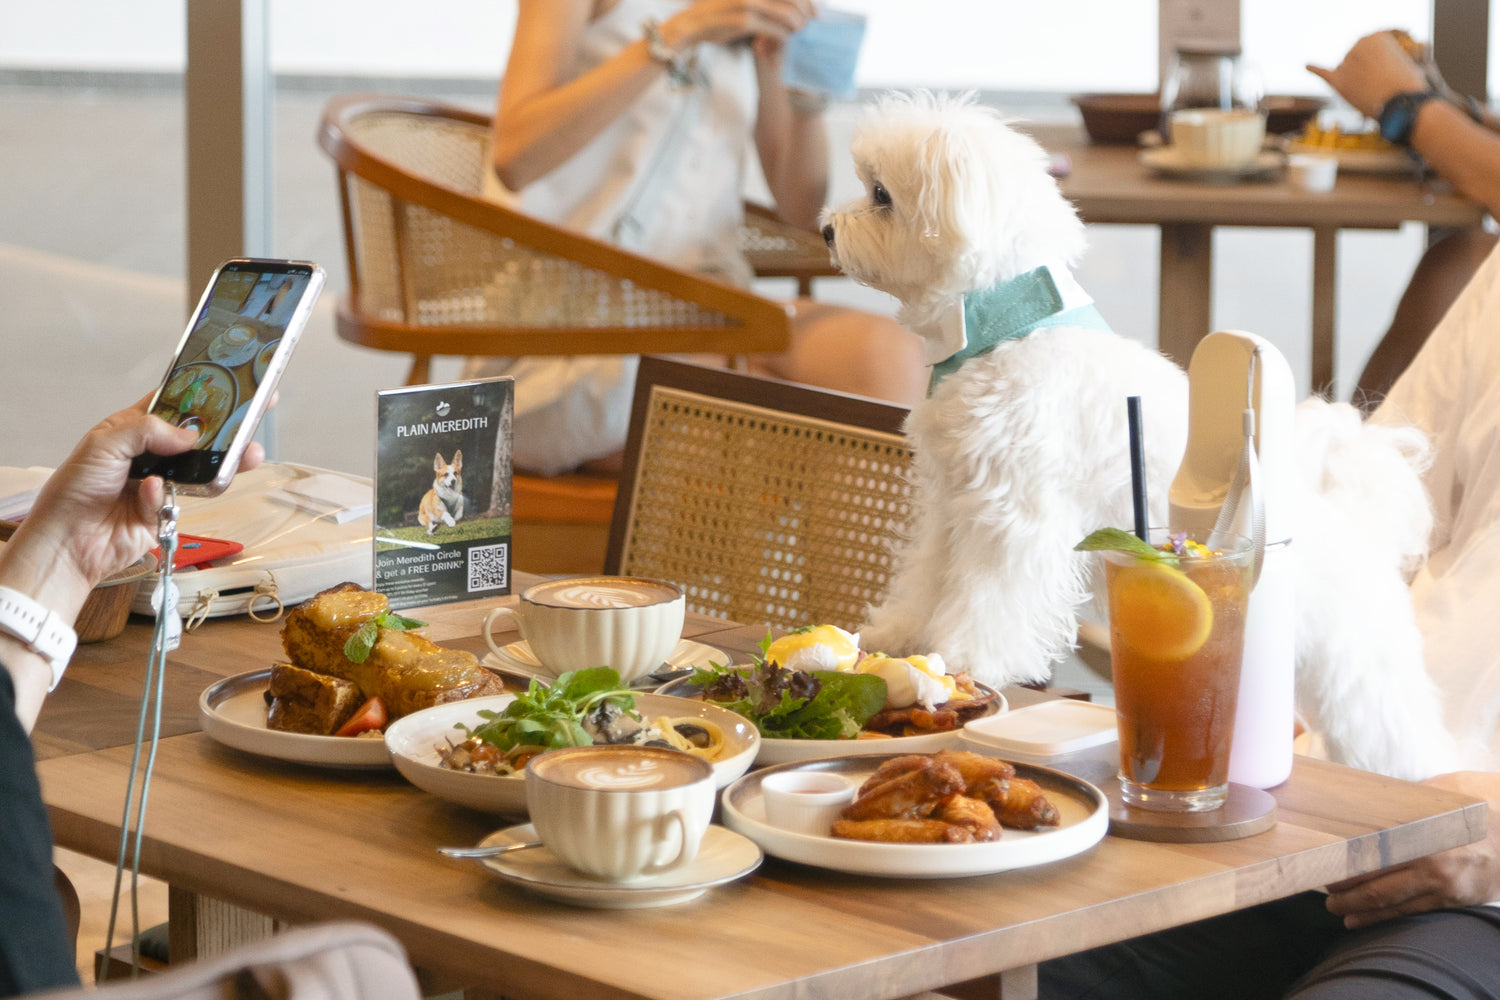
444 503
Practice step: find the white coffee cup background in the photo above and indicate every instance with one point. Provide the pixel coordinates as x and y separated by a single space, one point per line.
805 801
620 813
629 623
1312 172
1210 137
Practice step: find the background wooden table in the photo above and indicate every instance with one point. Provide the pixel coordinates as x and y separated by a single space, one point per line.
1108 184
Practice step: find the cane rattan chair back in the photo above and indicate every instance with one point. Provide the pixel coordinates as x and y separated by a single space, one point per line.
767 502
437 269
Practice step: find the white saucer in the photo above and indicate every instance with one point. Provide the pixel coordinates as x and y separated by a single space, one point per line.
1168 162
518 658
723 857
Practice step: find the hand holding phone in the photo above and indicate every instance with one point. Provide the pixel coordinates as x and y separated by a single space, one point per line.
227 365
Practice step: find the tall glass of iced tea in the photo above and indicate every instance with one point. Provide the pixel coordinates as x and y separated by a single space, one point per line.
1177 635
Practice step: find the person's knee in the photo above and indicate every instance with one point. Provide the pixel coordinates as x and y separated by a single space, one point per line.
858 352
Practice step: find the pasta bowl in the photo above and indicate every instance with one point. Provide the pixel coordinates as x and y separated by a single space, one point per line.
414 742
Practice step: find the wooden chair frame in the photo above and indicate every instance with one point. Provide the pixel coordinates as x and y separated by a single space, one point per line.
838 559
746 322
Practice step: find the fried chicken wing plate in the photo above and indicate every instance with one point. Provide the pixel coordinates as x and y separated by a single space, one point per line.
910 794
976 768
1019 804
902 831
973 816
948 797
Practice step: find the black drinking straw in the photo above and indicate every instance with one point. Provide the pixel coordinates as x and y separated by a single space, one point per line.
1137 467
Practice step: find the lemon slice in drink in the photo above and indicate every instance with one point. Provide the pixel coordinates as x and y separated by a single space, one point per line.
1158 611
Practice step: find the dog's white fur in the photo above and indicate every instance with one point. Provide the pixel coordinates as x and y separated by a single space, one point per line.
1024 450
444 503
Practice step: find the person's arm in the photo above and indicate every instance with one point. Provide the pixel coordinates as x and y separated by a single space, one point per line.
1463 876
543 118
1463 151
791 140
89 520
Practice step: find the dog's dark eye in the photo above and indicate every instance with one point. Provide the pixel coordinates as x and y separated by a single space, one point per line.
880 196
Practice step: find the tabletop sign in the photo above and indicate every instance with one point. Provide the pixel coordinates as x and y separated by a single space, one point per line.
443 491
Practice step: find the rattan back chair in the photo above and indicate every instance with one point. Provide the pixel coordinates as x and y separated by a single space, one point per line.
767 502
437 269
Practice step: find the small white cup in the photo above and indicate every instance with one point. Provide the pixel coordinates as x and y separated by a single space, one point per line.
1312 172
629 623
805 801
1212 137
620 813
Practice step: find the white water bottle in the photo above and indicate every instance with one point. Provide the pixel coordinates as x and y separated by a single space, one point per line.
1230 373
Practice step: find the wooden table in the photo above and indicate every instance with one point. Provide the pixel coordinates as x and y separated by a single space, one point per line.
301 844
1108 184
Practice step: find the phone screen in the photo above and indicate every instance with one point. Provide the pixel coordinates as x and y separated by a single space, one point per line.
227 365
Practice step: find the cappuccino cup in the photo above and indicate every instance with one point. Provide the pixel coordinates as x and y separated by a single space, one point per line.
1214 137
629 623
620 813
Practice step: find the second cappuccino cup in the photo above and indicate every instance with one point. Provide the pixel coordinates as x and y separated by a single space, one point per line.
620 813
629 623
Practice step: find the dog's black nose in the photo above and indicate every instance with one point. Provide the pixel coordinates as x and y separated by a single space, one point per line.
828 234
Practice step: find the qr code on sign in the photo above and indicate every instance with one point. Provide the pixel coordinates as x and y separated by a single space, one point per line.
489 567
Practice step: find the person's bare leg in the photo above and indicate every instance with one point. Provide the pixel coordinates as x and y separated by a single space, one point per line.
847 350
1445 268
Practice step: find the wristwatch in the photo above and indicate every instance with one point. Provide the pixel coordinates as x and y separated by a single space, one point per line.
679 66
1399 116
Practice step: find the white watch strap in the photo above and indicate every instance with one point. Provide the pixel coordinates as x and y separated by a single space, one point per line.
42 629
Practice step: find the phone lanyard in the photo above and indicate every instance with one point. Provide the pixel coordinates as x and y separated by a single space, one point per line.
165 638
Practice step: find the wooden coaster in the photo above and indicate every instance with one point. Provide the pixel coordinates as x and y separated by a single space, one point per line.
1246 812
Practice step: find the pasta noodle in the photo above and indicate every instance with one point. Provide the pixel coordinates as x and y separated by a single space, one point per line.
667 727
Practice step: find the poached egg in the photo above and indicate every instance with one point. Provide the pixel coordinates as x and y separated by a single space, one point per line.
912 680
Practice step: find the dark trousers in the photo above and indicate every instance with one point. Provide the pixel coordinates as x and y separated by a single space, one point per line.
1292 948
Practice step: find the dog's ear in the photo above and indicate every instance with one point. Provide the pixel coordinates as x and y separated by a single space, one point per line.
458 460
437 463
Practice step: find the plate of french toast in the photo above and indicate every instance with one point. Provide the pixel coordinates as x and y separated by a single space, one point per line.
351 667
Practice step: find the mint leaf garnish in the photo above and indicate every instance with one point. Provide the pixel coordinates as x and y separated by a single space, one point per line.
1120 540
357 649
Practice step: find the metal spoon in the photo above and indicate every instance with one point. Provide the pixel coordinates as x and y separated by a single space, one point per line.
488 851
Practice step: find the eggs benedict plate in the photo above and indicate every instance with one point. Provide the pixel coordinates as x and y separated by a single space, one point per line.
816 675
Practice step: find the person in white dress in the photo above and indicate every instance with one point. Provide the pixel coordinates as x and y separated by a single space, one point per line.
634 121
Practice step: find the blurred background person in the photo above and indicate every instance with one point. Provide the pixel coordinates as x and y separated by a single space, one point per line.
634 121
1460 140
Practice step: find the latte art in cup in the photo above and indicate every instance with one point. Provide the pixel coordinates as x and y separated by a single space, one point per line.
626 622
603 592
618 771
620 813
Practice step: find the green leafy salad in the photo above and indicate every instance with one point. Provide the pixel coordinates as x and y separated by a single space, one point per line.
563 714
793 704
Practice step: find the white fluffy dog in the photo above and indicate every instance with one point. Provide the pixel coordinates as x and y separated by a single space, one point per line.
1022 447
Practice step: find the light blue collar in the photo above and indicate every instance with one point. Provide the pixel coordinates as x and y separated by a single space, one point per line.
1010 310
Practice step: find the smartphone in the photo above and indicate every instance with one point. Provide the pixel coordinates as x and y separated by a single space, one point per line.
226 367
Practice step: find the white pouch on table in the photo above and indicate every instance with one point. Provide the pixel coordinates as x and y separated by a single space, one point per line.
304 529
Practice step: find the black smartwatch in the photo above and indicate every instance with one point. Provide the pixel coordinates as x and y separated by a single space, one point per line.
1399 116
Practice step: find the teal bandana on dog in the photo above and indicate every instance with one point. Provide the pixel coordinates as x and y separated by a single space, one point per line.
1010 310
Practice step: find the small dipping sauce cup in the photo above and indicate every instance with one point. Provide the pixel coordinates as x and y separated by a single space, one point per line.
1177 638
805 801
